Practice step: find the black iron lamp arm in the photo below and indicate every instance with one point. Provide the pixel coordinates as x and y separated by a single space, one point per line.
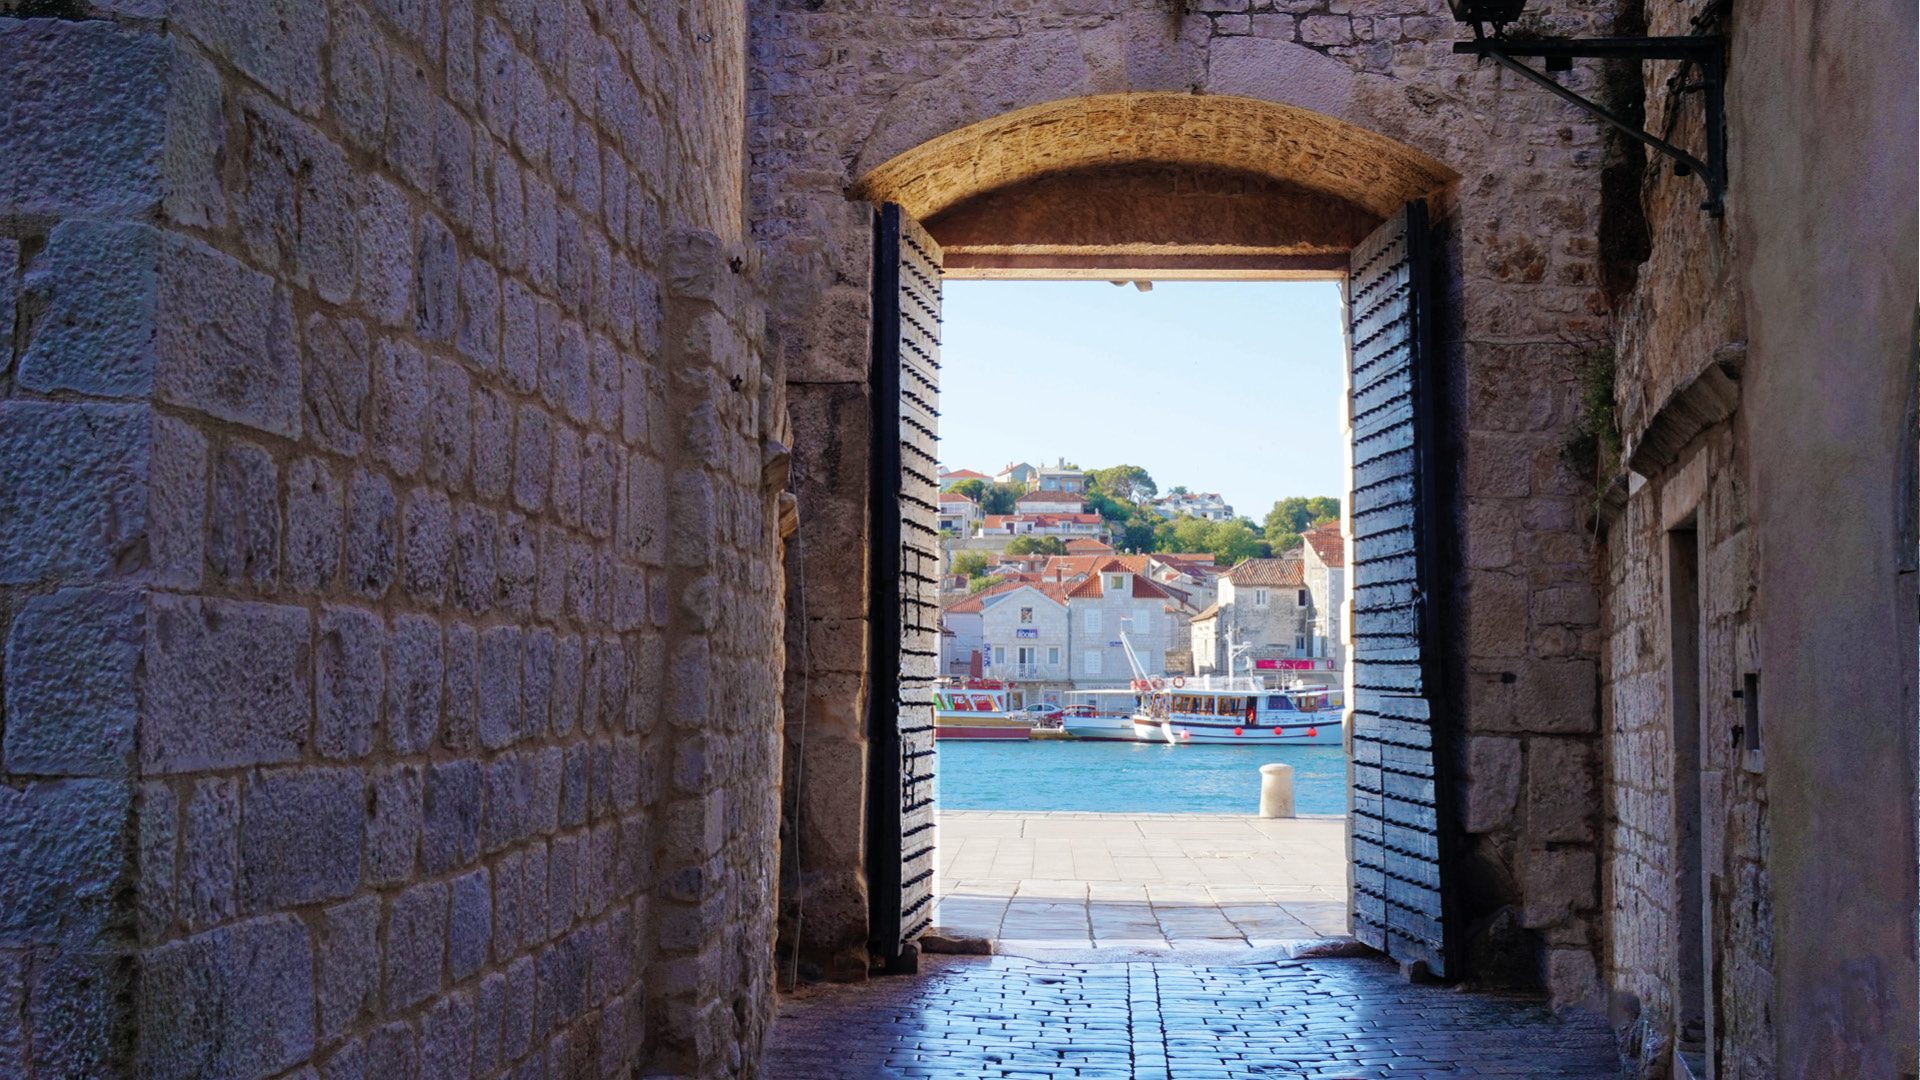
1708 51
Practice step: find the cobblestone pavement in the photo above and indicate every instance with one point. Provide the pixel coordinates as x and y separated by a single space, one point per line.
1037 882
973 1018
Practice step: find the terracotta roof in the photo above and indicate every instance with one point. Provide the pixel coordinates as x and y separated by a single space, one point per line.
975 603
954 497
1269 572
1327 544
1068 567
1094 585
1211 611
1082 545
964 474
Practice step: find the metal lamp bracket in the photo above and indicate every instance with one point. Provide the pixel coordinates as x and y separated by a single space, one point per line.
1707 52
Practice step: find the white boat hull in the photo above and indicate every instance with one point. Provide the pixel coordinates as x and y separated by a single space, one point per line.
1316 731
1115 728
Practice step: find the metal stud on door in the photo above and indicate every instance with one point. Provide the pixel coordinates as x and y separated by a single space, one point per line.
905 582
1395 788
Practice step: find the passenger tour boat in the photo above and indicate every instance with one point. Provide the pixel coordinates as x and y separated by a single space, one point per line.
976 709
1234 709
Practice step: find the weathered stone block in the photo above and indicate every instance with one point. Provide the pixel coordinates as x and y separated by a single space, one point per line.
565 485
348 984
315 525
461 731
416 940
302 837
471 923
278 43
386 251
1563 798
210 872
75 501
436 281
492 445
453 808
499 686
449 433
1556 883
71 663
293 210
446 1038
399 405
244 544
235 1001
225 339
372 534
428 544
89 142
532 458
475 559
1493 782
97 286
395 824
227 683
521 992
61 845
350 682
413 710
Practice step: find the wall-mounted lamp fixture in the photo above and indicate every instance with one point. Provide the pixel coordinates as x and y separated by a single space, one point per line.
1704 54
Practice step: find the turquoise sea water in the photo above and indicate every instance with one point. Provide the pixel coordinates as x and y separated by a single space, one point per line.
1120 777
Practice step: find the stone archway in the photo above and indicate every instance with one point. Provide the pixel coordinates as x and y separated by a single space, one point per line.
980 132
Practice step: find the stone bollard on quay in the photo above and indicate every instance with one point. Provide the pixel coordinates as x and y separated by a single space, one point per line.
1276 790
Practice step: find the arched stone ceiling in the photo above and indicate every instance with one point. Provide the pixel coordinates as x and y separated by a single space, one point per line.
1304 149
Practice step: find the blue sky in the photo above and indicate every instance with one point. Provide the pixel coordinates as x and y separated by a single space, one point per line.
1222 386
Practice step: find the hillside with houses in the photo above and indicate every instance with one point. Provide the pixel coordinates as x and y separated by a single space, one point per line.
1046 567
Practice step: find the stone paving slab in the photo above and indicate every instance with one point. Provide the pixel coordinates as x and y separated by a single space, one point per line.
1037 883
998 1018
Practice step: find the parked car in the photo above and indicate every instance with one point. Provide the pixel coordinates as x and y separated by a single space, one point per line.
1042 711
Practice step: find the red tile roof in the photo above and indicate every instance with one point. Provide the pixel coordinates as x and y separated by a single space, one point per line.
1094 585
1081 545
964 474
1327 544
1270 572
954 497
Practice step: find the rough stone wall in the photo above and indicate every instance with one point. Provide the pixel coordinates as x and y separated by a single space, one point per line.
842 87
390 584
1765 380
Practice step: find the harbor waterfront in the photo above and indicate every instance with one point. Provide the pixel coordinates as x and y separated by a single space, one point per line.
1120 777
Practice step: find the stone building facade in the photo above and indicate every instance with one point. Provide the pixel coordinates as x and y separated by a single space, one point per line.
1759 675
388 564
1215 132
396 538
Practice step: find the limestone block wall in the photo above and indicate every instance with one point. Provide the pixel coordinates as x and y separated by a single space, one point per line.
1765 384
387 566
843 88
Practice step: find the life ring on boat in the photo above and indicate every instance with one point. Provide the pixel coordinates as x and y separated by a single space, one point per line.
1179 681
1159 684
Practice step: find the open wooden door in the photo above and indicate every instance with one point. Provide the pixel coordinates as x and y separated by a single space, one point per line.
904 610
1397 825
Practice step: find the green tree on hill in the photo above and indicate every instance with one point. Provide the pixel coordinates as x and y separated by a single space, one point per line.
971 563
1000 498
1036 545
972 489
1292 516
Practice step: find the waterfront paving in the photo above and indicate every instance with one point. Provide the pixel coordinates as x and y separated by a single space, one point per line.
1004 1017
1036 883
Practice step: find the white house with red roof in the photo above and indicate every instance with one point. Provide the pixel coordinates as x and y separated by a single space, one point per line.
1061 525
1104 605
1263 604
958 514
950 477
1050 502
